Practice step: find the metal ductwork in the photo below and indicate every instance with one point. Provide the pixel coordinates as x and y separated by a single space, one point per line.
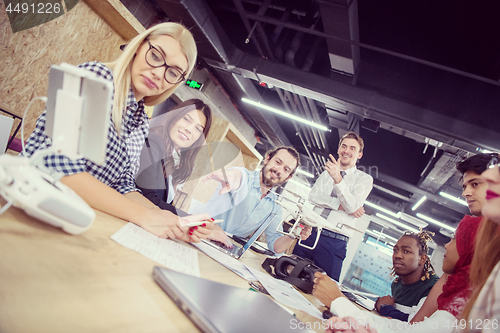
207 31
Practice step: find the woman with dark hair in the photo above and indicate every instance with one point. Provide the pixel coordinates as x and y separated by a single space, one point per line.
169 153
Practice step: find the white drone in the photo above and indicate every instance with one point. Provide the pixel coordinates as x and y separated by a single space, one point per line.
77 121
303 217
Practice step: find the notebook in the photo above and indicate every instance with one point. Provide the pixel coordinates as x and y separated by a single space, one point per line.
217 307
238 250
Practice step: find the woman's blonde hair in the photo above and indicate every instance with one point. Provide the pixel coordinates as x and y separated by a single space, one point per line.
122 66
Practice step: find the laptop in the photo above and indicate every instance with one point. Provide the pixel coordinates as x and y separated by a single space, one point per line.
238 250
357 298
217 307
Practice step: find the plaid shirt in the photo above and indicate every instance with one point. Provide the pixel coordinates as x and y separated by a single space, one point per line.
122 151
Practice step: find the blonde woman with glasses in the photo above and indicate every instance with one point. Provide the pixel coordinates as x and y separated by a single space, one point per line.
149 70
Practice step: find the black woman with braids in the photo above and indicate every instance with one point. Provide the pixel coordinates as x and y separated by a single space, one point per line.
415 277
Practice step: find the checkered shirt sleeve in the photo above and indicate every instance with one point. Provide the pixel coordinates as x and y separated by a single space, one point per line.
122 151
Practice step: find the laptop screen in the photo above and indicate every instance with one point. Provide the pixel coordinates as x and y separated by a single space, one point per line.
217 307
259 231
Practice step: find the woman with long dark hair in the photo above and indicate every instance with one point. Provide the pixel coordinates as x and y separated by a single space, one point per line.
168 156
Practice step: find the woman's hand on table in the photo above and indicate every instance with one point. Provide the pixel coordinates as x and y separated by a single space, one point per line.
201 229
217 234
161 223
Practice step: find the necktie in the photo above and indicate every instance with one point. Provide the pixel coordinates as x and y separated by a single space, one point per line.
327 211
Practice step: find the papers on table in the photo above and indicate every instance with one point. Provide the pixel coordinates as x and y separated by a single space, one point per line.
226 260
185 259
164 251
284 293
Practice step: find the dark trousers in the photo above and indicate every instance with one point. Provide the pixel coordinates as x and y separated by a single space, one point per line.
328 254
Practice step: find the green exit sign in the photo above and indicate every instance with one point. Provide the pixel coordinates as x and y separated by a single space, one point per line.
193 84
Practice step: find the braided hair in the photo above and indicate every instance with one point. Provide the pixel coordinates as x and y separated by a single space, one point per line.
422 237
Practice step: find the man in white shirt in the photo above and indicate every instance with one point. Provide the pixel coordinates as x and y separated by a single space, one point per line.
338 195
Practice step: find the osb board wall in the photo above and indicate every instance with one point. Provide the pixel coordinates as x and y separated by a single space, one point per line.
76 37
202 191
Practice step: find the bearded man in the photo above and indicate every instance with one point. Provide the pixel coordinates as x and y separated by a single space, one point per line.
244 199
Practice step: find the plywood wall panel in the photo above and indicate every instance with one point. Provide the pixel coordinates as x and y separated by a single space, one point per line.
26 56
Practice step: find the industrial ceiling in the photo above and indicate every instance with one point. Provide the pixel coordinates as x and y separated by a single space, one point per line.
418 80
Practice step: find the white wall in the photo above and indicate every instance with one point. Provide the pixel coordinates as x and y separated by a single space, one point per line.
437 259
354 240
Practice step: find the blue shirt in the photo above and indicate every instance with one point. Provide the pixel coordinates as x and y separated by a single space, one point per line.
250 210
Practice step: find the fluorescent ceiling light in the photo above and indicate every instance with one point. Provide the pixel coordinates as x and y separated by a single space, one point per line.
305 173
397 195
419 202
382 209
402 225
381 234
413 220
285 114
451 197
484 151
436 222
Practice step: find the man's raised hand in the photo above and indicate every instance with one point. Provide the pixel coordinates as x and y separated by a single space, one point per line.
333 169
231 182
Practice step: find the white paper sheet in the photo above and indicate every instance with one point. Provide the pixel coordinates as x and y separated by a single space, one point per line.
226 260
285 293
164 251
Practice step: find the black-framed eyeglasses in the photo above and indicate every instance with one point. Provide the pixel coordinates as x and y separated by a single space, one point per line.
154 58
493 162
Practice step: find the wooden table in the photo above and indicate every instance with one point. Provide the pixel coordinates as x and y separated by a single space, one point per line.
51 281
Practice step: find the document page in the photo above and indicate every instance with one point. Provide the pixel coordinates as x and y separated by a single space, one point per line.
166 252
285 293
226 260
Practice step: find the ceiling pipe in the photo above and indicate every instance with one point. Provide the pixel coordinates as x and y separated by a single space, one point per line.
294 46
314 109
276 7
309 153
306 129
309 116
262 10
302 107
371 47
311 103
246 23
295 105
276 34
284 102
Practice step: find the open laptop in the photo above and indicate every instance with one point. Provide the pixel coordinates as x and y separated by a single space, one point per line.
217 307
238 250
357 298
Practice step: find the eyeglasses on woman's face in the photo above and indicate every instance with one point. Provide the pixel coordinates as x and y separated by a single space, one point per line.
154 58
